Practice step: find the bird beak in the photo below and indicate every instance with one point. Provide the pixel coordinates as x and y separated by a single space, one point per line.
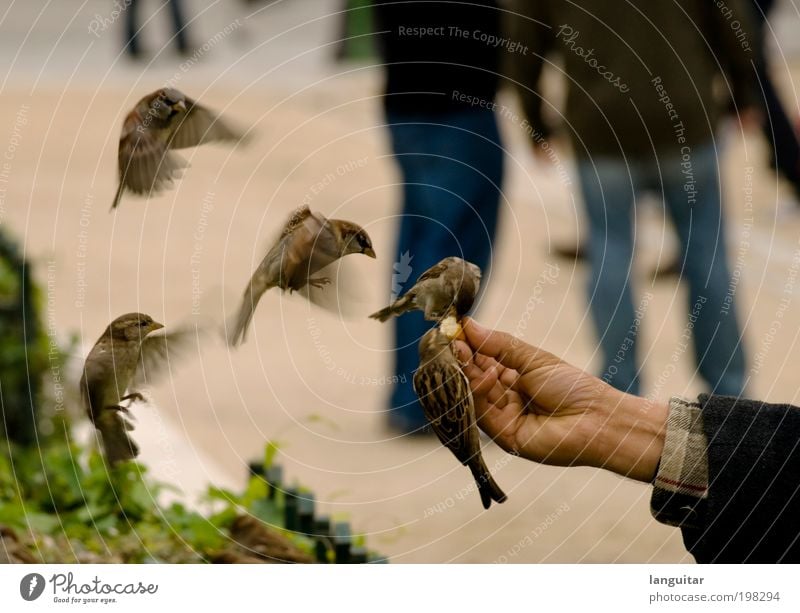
370 252
181 106
156 326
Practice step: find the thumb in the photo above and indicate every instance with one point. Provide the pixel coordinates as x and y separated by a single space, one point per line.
510 351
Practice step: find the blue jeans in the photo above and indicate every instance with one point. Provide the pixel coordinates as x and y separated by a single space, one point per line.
690 189
452 166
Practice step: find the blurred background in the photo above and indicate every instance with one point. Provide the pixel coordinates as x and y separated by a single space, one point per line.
304 76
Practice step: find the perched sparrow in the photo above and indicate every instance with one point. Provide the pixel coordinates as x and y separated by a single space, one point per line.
160 122
446 399
123 358
444 291
256 539
308 243
12 551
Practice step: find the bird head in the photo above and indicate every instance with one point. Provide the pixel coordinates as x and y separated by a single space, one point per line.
473 269
132 327
167 102
355 239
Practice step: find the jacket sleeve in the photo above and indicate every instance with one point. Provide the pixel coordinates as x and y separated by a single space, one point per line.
528 23
748 509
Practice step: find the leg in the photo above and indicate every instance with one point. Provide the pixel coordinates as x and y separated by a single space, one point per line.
715 330
451 167
319 282
179 23
777 127
780 134
132 45
608 192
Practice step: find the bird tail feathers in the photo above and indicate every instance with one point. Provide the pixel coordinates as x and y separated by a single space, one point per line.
243 318
117 443
487 486
118 196
398 307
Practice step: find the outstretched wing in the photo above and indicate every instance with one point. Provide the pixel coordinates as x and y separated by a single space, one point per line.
200 125
145 164
161 349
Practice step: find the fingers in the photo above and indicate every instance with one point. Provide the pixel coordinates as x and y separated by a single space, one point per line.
463 351
506 349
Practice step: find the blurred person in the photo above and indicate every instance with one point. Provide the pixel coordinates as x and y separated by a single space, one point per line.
777 127
441 81
724 470
642 113
132 29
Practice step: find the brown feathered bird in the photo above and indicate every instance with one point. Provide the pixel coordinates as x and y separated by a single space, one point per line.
160 122
12 551
257 540
124 357
308 243
446 290
446 399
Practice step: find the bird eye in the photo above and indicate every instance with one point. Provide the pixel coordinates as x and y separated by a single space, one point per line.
142 323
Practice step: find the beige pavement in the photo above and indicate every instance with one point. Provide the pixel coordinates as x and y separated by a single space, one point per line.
314 382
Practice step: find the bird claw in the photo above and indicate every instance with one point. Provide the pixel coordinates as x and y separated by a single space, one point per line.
121 409
319 282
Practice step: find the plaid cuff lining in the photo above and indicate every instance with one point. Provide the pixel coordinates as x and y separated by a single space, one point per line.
681 484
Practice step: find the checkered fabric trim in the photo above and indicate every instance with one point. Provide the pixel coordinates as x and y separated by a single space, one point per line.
681 484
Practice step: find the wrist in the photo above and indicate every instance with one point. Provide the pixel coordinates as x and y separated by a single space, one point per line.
631 437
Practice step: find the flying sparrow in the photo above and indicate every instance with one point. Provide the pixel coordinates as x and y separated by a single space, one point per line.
445 291
447 402
125 356
161 121
308 243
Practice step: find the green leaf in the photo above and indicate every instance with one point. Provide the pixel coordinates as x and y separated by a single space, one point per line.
270 451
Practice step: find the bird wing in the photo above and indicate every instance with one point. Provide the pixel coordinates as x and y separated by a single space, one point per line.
305 247
160 349
297 218
447 402
91 387
200 125
145 164
434 272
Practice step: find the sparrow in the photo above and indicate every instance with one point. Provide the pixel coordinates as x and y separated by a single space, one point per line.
124 357
307 243
12 551
160 122
446 291
446 399
255 539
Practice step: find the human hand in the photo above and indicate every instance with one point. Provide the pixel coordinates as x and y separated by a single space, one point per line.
534 404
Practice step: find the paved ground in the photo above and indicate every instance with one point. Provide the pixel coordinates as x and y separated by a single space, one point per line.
309 380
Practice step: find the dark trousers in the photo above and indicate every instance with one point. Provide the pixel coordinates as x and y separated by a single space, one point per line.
132 26
777 127
452 166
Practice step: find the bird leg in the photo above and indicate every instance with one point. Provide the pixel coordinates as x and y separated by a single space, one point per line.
120 409
319 282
